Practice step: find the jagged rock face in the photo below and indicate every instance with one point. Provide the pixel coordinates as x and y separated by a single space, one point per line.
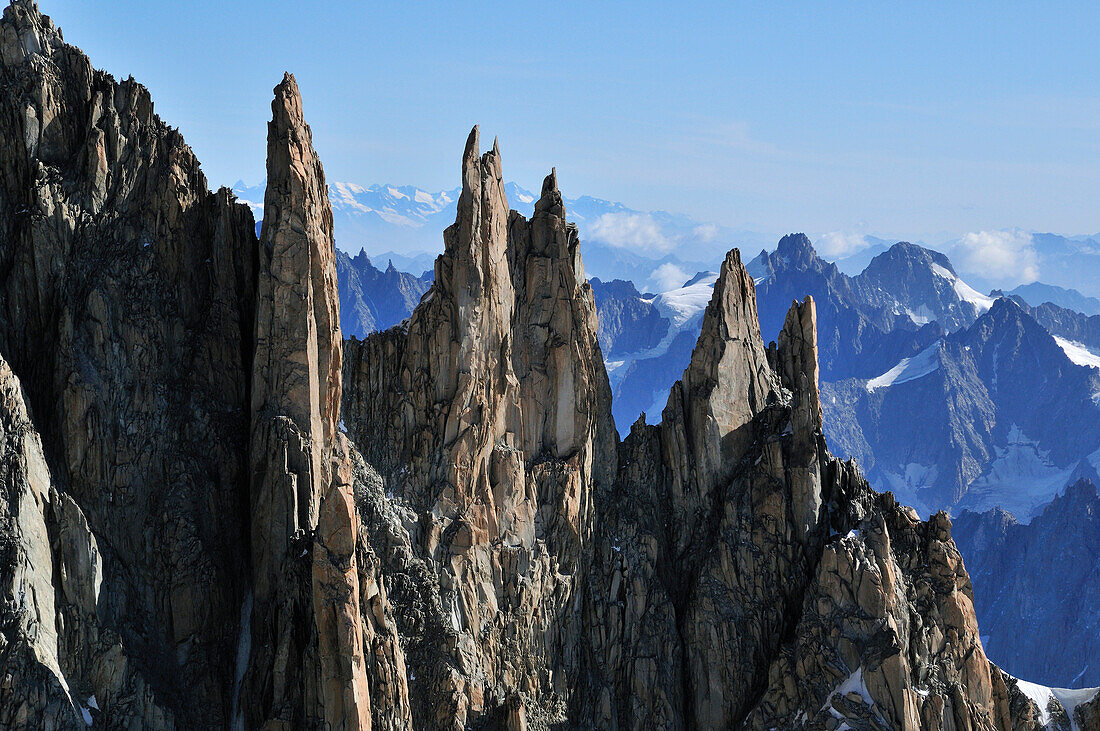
489 415
894 308
1059 321
131 308
44 533
704 609
729 572
920 281
189 538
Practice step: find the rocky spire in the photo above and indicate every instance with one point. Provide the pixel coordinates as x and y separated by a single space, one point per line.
301 482
727 382
297 369
504 431
794 357
295 392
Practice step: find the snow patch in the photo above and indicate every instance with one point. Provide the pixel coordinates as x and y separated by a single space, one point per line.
1022 479
964 291
686 302
682 307
1040 695
908 485
854 683
1069 698
909 369
1079 353
922 316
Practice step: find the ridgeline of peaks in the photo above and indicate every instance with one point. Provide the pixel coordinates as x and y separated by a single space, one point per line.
192 540
372 299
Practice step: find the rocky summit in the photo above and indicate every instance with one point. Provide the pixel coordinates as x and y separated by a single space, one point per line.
218 513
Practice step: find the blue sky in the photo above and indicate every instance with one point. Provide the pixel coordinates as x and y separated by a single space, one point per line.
924 122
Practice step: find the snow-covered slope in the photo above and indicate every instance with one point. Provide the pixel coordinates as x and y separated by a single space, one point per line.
1079 353
909 369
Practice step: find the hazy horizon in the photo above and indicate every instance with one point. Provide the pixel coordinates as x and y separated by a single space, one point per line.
770 119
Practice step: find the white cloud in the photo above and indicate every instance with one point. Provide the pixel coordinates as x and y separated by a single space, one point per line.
668 276
838 244
638 231
998 254
706 231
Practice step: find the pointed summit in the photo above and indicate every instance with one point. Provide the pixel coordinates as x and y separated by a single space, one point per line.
794 357
796 249
472 149
300 480
31 33
550 201
728 379
296 236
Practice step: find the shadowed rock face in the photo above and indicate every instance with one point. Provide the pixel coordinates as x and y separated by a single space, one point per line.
189 536
183 383
126 308
1029 591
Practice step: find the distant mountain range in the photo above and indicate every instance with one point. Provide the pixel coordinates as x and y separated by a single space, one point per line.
1036 293
658 250
373 299
951 398
404 224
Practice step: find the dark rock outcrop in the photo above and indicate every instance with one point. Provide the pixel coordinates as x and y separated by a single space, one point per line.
164 354
127 308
